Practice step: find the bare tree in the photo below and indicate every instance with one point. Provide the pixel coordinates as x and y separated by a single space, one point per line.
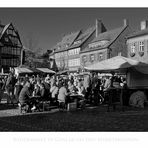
31 42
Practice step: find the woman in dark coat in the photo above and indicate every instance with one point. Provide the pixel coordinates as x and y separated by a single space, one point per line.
17 90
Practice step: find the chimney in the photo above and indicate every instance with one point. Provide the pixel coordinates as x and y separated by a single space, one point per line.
143 24
100 28
125 22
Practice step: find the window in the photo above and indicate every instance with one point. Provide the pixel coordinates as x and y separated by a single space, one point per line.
92 57
77 50
74 62
100 56
84 59
132 49
141 48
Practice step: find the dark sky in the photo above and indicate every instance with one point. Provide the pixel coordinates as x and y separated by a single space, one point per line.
47 25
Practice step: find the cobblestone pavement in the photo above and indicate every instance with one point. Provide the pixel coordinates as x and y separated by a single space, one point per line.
90 119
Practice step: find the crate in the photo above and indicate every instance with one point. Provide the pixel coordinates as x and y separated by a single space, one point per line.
72 106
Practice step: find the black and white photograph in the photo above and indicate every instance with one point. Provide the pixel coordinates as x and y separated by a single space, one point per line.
75 69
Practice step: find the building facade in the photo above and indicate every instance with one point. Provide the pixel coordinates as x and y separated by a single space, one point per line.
10 47
137 43
81 43
60 51
106 45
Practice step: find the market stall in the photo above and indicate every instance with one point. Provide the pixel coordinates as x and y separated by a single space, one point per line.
117 63
136 72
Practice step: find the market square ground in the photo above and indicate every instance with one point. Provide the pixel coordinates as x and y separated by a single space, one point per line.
92 119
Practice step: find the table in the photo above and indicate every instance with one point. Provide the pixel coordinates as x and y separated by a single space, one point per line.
76 98
115 97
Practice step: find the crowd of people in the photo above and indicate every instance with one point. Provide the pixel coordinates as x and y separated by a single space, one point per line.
57 89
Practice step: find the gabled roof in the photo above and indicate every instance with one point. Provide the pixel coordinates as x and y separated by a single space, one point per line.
138 33
110 36
3 29
66 41
84 35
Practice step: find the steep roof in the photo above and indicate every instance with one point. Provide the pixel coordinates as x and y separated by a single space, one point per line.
138 33
84 35
66 41
110 36
3 29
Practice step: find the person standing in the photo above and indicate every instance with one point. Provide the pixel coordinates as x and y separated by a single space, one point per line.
54 93
17 90
62 96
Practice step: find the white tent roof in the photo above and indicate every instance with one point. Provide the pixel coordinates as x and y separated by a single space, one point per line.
46 70
114 63
23 70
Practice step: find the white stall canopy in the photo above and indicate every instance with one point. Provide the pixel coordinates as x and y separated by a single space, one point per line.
46 70
21 70
115 63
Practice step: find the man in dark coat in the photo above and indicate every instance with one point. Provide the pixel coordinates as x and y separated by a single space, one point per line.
24 96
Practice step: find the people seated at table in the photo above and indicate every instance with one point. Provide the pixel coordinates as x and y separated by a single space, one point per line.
71 87
81 89
36 91
43 93
24 96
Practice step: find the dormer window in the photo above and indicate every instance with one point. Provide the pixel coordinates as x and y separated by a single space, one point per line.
59 47
77 42
67 45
